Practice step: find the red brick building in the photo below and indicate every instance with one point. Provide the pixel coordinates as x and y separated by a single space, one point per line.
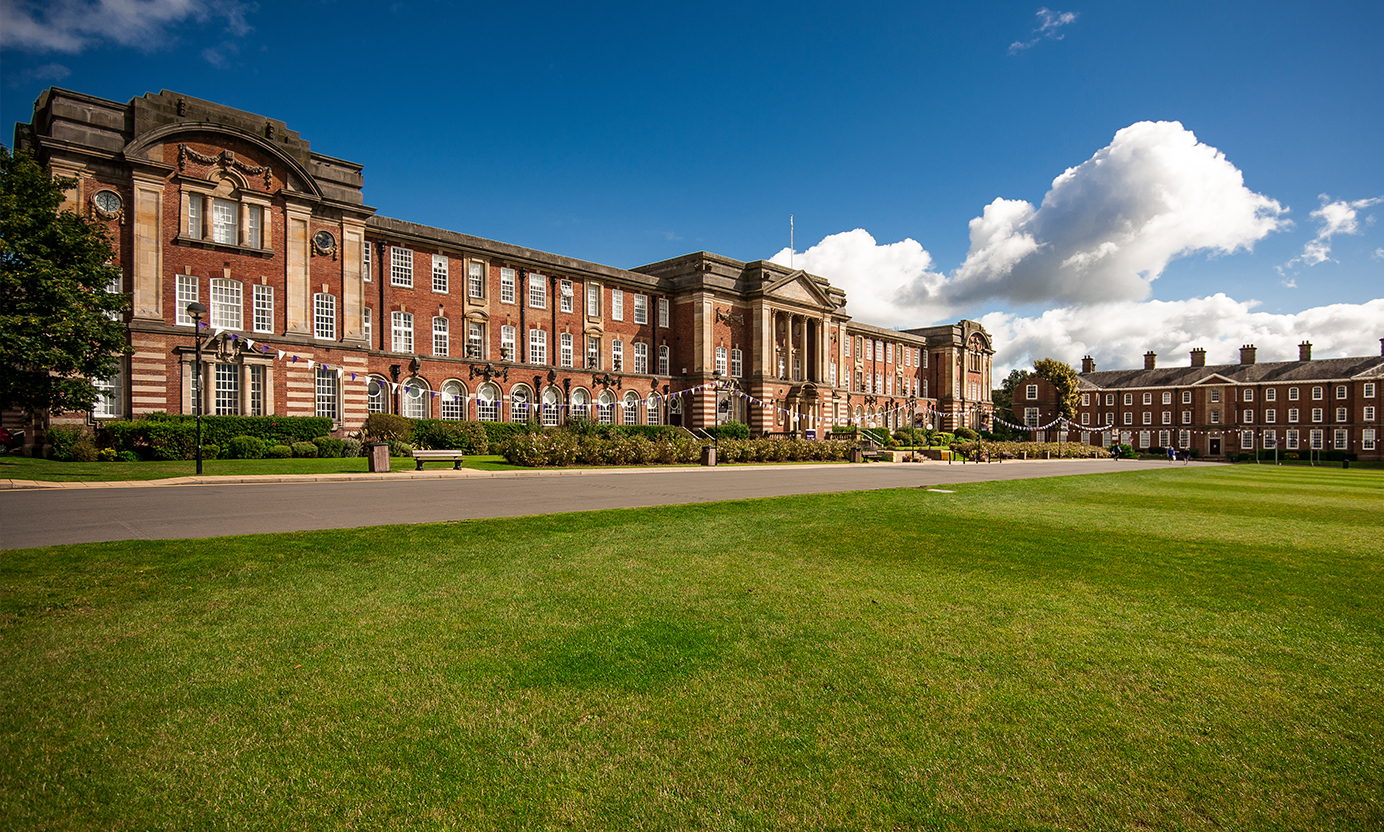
318 306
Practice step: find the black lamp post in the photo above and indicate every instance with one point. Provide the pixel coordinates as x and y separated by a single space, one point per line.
716 398
197 311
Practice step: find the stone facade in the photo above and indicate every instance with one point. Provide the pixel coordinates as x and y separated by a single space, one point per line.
237 212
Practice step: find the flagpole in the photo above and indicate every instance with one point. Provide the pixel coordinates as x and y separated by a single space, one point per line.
790 241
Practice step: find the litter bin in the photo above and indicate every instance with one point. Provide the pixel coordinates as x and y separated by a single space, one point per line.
708 454
856 456
379 457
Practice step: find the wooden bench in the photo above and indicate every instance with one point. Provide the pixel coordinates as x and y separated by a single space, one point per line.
457 457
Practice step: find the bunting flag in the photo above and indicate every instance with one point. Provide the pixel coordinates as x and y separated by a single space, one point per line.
250 343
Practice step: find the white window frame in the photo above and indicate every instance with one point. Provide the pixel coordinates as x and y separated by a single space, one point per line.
1293 414
441 336
565 349
441 279
414 399
401 332
507 343
507 283
538 291
737 362
1342 439
641 358
663 312
368 320
593 300
225 389
365 260
475 279
617 304
565 295
1367 438
1293 394
1368 391
721 360
401 267
227 305
324 316
453 402
1030 391
184 293
617 355
327 394
1290 440
225 221
538 346
641 309
475 340
593 352
262 302
664 360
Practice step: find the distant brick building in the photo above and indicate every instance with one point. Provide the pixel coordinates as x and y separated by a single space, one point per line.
235 211
1308 404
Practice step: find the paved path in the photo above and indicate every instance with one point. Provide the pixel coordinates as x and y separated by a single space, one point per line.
47 514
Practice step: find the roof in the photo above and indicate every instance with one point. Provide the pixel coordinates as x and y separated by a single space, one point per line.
1269 372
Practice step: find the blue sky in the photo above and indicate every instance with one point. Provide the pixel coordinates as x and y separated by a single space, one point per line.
628 133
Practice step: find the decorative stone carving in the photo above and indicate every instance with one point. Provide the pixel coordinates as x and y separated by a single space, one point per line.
226 159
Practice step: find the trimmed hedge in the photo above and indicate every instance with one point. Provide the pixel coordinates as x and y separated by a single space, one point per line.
730 430
246 447
166 436
1032 450
446 435
382 427
559 448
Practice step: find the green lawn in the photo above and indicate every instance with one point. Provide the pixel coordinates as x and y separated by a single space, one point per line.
1173 649
17 467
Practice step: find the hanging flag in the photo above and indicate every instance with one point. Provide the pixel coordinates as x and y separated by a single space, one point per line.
250 342
340 371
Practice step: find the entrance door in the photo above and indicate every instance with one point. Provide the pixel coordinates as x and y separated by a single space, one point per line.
1215 447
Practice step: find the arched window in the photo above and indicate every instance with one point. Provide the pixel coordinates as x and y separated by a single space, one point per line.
415 398
630 414
453 401
605 408
663 360
581 405
552 406
377 395
488 403
519 400
652 411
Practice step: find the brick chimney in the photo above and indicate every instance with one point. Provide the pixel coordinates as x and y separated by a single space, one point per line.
1305 351
1198 357
1247 354
1088 364
1150 360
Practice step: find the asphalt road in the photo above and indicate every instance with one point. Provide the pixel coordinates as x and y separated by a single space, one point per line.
48 517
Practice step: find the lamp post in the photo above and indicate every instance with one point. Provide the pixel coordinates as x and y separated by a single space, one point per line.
197 311
716 397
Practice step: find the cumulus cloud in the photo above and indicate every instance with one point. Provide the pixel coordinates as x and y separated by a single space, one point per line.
1109 227
1050 25
877 278
1118 334
73 25
1338 217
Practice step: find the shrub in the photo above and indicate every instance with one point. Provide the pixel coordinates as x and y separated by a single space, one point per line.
382 427
84 450
327 447
126 456
967 434
166 436
63 441
497 432
208 451
304 450
278 452
246 447
730 430
909 436
398 447
440 435
351 448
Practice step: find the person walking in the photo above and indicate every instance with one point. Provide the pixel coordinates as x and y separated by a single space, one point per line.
1172 454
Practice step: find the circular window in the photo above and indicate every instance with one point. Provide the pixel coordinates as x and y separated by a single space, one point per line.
324 242
107 203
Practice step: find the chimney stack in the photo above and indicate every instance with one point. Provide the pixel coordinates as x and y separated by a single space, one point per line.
1150 360
1305 351
1198 357
1088 364
1247 354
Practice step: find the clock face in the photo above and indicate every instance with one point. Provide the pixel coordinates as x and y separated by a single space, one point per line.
107 202
324 241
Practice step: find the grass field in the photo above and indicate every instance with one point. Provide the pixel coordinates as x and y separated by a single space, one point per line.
1178 649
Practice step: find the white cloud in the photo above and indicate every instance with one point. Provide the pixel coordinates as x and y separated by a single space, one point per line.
1339 217
73 25
1050 25
1118 334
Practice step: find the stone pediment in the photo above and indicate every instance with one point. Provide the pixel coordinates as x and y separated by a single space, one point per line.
798 288
1215 378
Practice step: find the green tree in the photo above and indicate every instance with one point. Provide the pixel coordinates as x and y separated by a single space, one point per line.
1003 399
1063 379
59 321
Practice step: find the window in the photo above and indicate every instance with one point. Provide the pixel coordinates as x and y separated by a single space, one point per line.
833 373
442 331
617 355
365 247
328 402
1316 440
194 216
1146 417
1148 398
1316 414
869 350
506 285
550 408
1144 439
1270 395
254 234
737 363
538 346
1367 439
641 358
367 317
879 350
439 273
1186 417
1369 414
487 404
1109 399
453 402
1085 399
1215 417
630 412
401 331
519 404
1031 417
1246 440
581 405
475 279
1164 438
1340 414
263 301
226 303
663 312
400 267
593 300
1167 397
1342 439
565 349
1249 395
663 361
846 346
721 360
651 414
1031 392
1340 391
107 405
907 353
475 340
1215 395
1248 417
1184 439
225 221
1086 418
538 291
593 352
879 382
414 399
324 316
1317 394
1270 415
257 407
1293 414
1186 396
1270 440
617 305
1292 394
1368 392
888 352
507 343
226 383
1167 417
641 309
1128 399
565 292
1290 439
605 408
377 395
185 293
